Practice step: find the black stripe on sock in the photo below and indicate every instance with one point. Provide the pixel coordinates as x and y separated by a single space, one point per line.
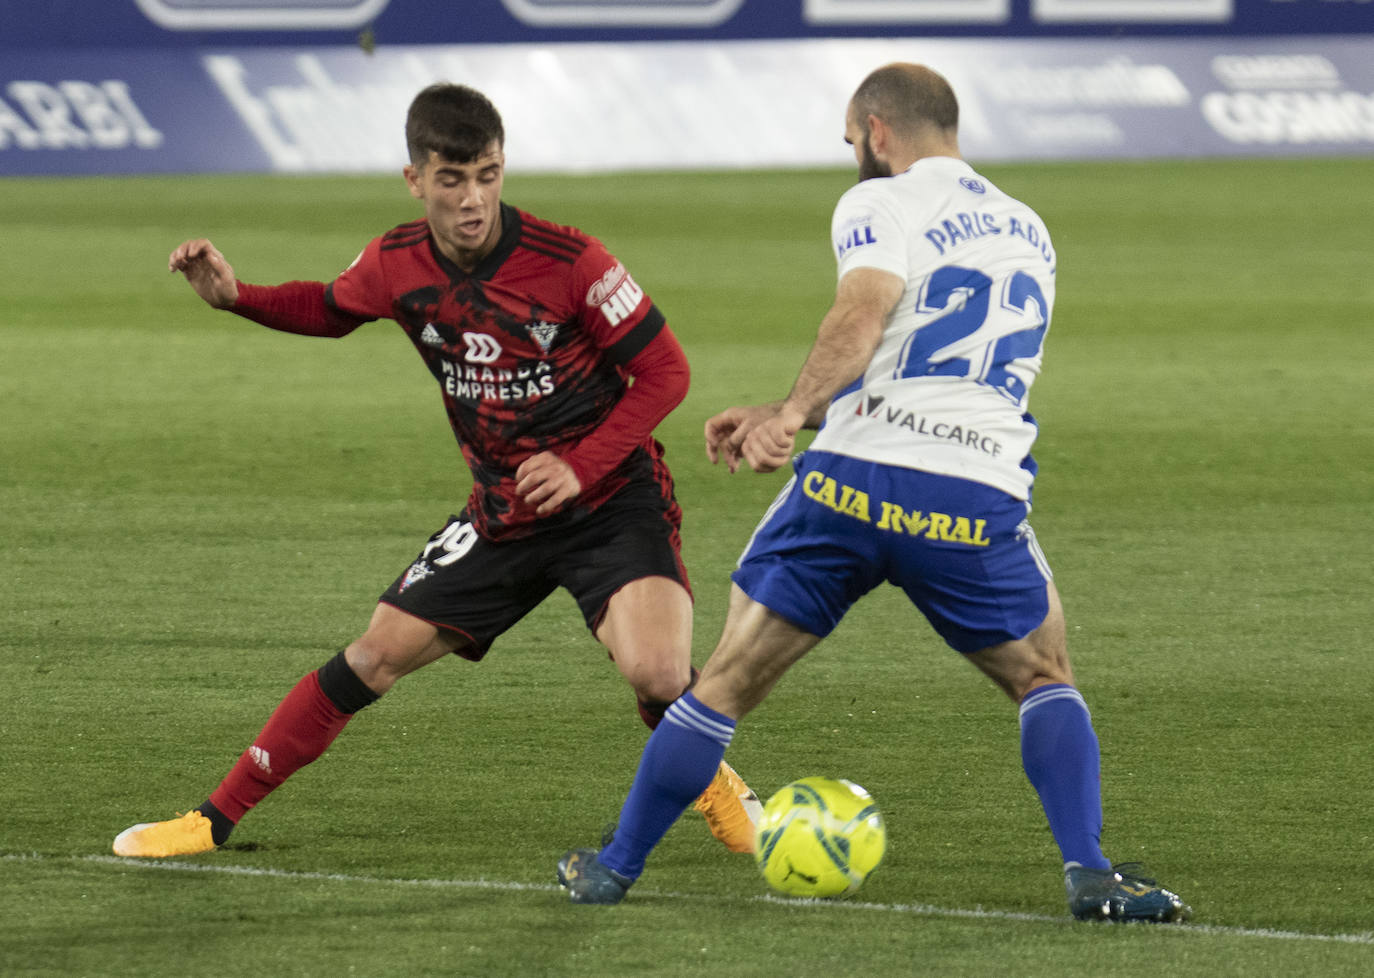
343 687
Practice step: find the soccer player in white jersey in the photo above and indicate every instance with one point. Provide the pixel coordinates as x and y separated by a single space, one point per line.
920 475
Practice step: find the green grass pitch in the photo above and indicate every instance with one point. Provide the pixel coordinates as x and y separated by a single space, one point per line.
195 511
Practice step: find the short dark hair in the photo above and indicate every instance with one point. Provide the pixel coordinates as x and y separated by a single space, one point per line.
908 97
457 122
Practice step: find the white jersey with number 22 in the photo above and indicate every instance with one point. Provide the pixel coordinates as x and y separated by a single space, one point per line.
946 389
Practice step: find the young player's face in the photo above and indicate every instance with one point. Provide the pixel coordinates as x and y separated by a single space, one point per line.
462 202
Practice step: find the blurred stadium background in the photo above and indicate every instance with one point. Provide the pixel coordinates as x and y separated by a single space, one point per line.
190 86
194 512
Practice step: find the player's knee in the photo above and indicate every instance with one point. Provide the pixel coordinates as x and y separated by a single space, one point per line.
378 664
657 679
1023 665
663 689
395 644
368 663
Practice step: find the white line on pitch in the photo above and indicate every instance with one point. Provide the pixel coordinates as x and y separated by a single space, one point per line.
917 909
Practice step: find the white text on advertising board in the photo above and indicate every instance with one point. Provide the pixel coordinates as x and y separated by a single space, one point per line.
73 115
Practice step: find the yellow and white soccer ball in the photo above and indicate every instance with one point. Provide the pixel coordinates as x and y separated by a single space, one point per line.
819 837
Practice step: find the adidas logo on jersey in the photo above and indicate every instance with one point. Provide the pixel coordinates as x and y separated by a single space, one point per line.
430 336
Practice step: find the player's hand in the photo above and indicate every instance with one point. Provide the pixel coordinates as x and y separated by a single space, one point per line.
546 482
726 431
769 445
207 271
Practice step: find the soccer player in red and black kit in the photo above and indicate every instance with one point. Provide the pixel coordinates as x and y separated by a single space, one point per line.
533 332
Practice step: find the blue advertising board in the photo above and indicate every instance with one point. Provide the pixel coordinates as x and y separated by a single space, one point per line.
604 106
27 24
178 86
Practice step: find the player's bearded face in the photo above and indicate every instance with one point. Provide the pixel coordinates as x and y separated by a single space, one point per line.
869 165
462 202
856 135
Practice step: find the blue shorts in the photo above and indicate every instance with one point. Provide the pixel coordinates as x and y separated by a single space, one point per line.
963 552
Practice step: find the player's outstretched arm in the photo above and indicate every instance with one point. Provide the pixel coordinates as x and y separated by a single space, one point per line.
764 435
207 271
292 307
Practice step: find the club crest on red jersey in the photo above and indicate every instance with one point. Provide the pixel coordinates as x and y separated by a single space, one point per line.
543 333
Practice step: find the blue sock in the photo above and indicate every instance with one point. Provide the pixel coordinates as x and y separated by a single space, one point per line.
679 762
1060 754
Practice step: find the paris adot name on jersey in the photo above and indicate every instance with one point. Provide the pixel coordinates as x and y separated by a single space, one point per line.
952 231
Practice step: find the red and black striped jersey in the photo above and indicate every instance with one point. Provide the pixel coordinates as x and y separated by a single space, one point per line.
528 349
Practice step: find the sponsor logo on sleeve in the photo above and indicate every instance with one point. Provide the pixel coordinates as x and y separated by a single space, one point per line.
616 294
855 234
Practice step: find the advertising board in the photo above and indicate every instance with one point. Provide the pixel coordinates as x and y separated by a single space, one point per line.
26 24
605 103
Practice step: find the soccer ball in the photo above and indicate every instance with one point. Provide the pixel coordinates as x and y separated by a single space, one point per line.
819 837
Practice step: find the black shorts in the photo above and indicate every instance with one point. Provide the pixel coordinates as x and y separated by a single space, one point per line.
479 588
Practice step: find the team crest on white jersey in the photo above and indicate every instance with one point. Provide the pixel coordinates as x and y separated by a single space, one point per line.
977 186
543 333
481 348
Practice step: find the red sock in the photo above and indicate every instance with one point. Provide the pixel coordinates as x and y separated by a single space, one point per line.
297 732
